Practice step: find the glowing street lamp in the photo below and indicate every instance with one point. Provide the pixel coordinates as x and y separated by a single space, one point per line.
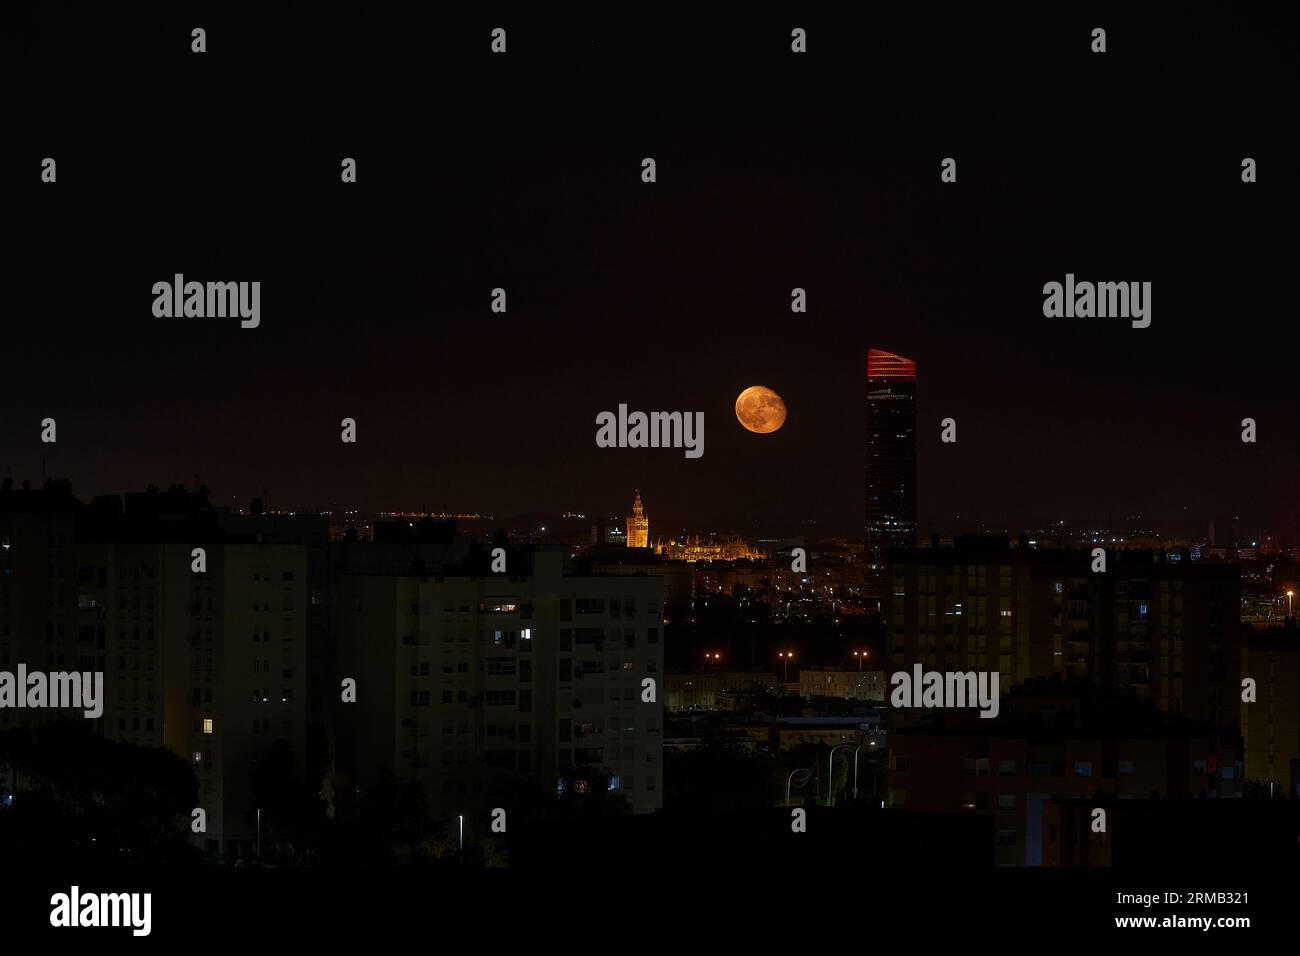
861 656
1289 596
786 657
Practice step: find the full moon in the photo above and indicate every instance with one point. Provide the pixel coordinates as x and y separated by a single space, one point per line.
760 409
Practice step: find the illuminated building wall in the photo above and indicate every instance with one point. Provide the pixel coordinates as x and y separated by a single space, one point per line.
638 525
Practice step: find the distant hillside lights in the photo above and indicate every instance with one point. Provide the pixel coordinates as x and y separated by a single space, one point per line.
199 300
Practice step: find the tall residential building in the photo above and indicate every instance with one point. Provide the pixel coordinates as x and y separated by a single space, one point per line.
890 465
212 665
474 683
1271 722
638 524
1056 742
1166 629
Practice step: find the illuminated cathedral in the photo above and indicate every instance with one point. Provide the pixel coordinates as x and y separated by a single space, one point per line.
638 524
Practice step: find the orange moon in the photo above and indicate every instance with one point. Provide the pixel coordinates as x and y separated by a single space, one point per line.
760 410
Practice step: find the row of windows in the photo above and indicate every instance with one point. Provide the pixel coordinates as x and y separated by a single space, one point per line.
264 696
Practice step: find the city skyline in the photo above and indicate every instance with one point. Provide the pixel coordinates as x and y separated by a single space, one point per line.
843 446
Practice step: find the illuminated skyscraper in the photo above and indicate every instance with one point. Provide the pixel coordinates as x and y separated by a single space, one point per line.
890 463
638 525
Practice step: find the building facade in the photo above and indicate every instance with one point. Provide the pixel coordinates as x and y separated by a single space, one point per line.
475 684
638 524
890 465
1167 629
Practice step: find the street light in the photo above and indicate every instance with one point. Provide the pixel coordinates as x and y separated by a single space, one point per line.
1289 596
786 655
806 773
861 656
830 776
855 771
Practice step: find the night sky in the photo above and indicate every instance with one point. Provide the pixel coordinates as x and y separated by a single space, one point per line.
775 170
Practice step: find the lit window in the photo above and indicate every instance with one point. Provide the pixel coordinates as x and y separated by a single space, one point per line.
198 756
207 725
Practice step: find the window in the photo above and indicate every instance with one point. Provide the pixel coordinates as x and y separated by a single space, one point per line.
207 725
1006 801
1126 768
1006 768
499 698
1083 768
